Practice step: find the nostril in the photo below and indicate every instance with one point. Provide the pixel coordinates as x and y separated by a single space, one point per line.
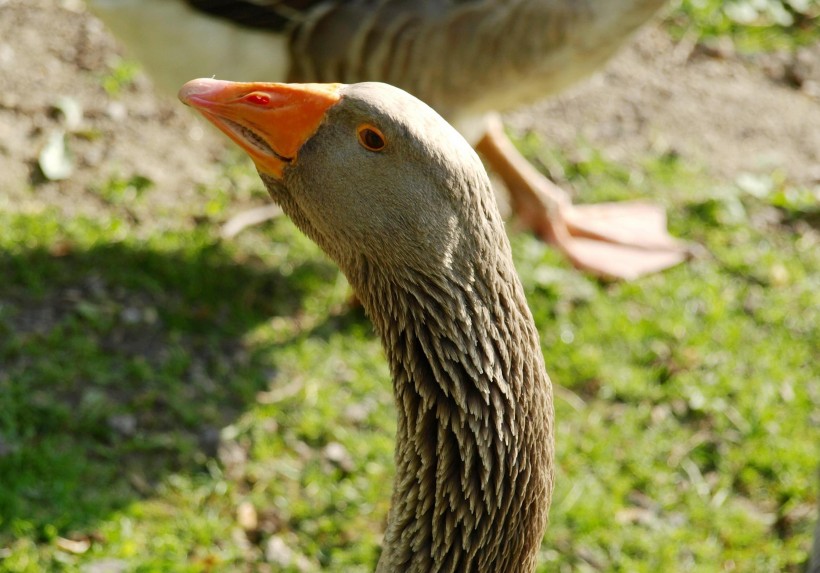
258 98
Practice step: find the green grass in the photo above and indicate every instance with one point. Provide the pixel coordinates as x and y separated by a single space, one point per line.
753 25
156 382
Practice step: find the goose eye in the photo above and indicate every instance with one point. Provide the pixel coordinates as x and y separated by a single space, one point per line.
371 138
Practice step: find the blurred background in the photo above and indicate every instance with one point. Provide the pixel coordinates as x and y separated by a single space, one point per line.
174 401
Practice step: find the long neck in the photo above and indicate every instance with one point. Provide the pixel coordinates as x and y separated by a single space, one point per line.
474 440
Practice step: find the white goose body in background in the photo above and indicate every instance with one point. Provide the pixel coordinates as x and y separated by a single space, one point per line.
465 58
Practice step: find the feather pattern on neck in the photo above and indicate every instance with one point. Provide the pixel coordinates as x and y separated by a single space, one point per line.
474 419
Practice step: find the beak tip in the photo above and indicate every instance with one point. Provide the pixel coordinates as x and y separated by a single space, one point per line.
199 87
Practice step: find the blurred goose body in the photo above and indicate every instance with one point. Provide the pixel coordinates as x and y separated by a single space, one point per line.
465 58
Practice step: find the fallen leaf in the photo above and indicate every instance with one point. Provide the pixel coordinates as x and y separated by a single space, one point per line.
71 111
72 546
55 159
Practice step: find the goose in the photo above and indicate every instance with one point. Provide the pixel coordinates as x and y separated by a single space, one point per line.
468 59
402 204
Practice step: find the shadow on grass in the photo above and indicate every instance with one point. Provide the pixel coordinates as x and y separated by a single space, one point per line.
118 366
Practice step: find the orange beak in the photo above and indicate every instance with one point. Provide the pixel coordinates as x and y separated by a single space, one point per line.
269 121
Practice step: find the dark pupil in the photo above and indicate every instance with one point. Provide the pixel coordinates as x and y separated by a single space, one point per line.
372 139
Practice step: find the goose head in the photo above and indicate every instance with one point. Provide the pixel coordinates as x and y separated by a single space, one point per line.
370 173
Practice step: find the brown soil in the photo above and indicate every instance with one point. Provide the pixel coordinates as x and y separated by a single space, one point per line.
728 114
722 112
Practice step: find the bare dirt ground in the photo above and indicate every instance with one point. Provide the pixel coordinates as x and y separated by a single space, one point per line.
725 113
721 111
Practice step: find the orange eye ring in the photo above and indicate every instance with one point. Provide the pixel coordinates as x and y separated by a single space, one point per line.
371 138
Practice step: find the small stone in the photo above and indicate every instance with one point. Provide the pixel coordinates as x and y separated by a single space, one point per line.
811 88
246 517
130 315
7 55
75 6
278 553
105 566
116 110
779 275
337 454
357 413
124 424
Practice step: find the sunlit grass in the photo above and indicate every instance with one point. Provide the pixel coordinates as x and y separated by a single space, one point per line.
753 25
170 401
151 387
